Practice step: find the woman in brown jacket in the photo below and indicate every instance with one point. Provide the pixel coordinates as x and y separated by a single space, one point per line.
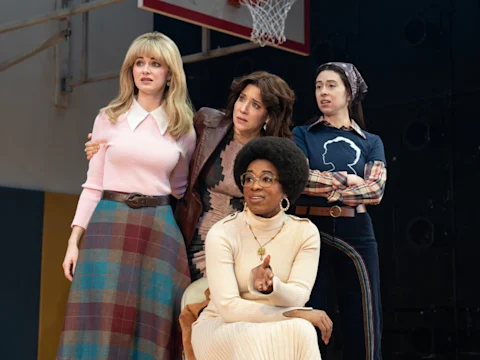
258 104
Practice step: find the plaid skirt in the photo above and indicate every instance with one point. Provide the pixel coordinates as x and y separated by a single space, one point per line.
124 300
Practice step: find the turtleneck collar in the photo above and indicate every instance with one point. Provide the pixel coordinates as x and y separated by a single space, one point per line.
262 223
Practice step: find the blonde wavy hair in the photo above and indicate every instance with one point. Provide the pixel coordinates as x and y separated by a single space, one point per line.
176 102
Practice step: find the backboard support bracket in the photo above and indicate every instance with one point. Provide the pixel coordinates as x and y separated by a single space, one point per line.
206 54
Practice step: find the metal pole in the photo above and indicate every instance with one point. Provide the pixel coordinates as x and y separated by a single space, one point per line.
61 36
219 52
57 15
205 41
84 55
94 79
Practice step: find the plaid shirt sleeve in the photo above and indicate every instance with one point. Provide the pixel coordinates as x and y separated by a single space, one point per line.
322 183
370 193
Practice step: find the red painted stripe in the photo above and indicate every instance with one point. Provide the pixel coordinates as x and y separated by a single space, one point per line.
195 17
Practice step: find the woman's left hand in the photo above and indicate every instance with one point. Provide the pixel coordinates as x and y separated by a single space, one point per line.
264 277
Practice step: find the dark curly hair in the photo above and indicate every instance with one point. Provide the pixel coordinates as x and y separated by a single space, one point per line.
277 96
287 158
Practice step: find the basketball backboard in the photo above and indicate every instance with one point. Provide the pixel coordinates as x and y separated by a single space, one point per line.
219 15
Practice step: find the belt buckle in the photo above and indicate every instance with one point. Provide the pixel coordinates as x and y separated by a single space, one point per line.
132 200
335 211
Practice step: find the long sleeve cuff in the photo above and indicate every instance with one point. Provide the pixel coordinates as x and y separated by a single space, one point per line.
86 206
282 294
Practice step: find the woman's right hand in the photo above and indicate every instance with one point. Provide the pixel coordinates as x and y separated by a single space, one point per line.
264 277
318 318
354 180
70 261
91 148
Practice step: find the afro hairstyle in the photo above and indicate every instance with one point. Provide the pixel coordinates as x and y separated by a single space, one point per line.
287 158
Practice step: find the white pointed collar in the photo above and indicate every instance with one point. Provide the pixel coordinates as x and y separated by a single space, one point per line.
137 114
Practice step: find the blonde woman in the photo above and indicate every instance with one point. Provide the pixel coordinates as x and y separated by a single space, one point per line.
132 268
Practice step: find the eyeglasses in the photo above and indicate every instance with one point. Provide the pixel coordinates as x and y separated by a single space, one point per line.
265 180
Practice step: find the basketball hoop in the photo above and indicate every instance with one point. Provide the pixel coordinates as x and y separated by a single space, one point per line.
268 19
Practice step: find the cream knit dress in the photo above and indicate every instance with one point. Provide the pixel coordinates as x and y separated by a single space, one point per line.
242 323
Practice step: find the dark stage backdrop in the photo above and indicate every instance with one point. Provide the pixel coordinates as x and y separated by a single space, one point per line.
420 60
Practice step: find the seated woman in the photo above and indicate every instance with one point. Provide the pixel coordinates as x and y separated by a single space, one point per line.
262 265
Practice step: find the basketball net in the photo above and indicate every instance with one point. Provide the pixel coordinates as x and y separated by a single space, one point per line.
268 20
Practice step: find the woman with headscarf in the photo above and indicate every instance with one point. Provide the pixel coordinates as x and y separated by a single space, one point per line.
347 172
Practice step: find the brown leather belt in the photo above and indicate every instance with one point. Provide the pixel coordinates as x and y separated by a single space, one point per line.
136 200
332 211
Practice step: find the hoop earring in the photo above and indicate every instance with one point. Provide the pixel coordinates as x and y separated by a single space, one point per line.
286 207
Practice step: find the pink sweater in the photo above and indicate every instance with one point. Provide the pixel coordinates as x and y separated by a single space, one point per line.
136 154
